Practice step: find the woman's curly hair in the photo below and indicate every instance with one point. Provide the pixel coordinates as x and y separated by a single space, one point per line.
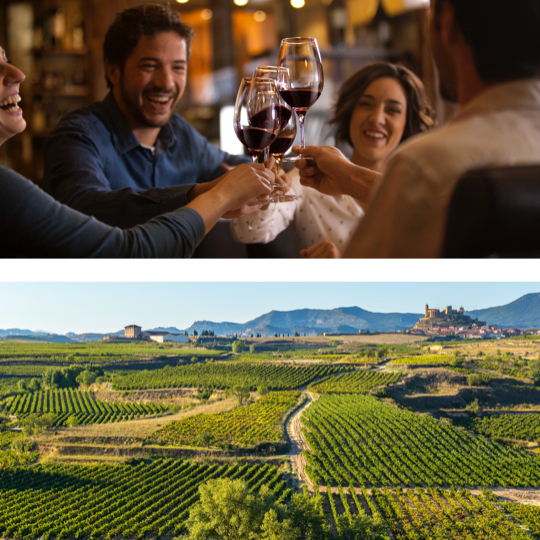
420 114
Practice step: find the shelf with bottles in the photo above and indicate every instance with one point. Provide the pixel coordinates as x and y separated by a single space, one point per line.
61 64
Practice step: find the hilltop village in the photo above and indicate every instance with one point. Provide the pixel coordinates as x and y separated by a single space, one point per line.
454 322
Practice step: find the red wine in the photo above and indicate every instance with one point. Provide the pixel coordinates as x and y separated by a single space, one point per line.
267 118
255 138
281 145
300 99
285 115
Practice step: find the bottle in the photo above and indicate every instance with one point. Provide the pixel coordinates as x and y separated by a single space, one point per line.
59 27
77 33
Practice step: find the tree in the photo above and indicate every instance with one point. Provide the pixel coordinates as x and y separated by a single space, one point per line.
241 393
22 444
534 373
252 349
70 374
227 509
474 407
206 438
34 424
195 333
86 378
478 379
34 384
73 421
262 390
361 527
382 352
307 517
238 346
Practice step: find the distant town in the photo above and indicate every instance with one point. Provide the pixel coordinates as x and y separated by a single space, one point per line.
436 323
455 323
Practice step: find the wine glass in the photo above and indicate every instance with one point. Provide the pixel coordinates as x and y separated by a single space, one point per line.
256 116
279 147
285 138
279 74
301 56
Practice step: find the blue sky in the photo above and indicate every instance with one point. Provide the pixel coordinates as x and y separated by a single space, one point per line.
107 307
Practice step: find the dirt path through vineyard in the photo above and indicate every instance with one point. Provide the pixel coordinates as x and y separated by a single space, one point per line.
299 443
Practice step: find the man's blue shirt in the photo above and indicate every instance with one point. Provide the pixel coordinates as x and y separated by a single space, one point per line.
95 164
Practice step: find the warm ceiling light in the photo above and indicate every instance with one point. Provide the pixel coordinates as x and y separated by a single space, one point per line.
240 2
259 16
181 1
298 4
206 14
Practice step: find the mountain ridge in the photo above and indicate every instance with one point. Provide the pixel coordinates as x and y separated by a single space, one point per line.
523 312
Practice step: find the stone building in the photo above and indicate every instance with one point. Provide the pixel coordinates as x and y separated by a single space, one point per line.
132 332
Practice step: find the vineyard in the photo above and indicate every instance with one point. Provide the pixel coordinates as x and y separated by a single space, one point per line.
102 501
224 375
511 371
529 515
68 403
22 369
430 359
436 514
512 426
10 459
358 440
247 425
92 352
358 382
7 437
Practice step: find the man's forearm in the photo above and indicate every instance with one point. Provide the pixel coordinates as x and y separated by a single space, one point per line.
358 182
199 189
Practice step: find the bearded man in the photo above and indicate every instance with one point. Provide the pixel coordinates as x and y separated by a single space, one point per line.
130 157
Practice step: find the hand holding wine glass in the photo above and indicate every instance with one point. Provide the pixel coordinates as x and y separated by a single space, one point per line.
302 58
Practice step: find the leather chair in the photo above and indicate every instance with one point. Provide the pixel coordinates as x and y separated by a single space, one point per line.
495 212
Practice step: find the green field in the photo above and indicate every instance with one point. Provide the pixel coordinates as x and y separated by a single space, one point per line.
436 514
358 382
356 439
66 403
512 426
103 501
245 426
220 375
429 359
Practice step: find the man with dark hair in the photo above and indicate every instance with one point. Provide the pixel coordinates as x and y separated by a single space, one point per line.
129 157
488 57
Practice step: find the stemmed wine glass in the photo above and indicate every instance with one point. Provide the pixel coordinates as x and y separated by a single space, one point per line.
287 130
301 56
256 116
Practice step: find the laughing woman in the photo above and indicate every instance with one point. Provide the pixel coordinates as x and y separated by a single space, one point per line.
377 108
32 224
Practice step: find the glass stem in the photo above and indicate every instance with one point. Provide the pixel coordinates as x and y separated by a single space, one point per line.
266 154
301 117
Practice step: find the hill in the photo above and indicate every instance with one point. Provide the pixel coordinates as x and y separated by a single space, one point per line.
314 321
521 313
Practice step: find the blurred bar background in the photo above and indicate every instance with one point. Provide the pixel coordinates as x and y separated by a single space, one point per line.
58 45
